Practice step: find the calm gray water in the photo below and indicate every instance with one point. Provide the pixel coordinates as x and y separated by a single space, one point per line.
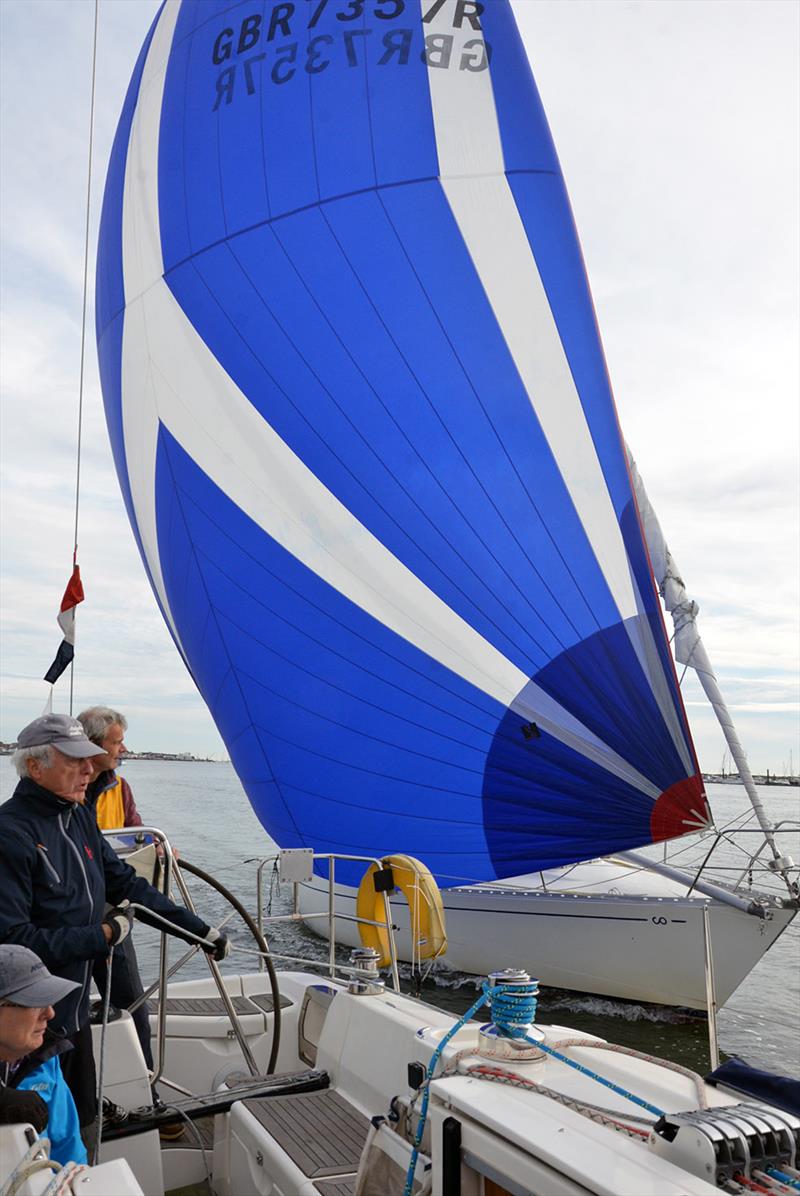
204 811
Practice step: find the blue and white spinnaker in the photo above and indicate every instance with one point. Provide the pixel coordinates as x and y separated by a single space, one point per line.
364 431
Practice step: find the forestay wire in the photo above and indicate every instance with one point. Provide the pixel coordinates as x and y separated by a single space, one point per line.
83 316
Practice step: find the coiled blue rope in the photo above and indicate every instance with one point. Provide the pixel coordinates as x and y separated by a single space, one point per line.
513 1010
513 1006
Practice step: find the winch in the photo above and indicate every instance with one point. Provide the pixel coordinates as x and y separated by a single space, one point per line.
365 979
511 1041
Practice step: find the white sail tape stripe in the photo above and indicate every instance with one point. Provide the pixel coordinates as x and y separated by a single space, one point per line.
241 453
141 260
472 174
468 144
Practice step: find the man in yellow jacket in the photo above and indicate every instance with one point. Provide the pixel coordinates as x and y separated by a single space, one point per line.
110 796
109 793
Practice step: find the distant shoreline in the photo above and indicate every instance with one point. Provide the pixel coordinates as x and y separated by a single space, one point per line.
714 778
733 778
180 757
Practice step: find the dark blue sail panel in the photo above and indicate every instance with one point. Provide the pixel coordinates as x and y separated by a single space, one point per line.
361 414
336 705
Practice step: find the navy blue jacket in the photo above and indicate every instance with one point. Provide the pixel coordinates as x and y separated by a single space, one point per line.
57 873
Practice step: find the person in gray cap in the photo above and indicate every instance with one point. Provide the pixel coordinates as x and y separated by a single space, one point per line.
32 1085
58 875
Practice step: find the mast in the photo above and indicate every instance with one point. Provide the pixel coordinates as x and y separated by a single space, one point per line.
690 651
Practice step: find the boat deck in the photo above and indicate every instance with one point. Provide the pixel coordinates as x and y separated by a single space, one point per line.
321 1133
214 1006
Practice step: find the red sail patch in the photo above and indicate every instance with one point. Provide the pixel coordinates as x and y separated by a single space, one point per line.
680 809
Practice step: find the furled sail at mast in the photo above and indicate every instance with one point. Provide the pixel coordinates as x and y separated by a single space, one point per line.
364 431
690 649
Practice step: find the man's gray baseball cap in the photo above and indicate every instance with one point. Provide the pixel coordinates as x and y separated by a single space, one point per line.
24 980
58 731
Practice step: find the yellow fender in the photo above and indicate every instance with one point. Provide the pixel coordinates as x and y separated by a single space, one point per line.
420 890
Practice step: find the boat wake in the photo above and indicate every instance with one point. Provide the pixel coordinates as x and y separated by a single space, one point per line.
554 1000
628 1011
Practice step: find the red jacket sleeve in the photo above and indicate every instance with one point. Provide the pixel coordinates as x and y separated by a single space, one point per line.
132 815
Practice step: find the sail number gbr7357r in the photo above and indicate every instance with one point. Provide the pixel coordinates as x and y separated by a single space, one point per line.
259 47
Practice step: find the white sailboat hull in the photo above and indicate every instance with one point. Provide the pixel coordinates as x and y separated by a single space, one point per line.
641 941
527 1135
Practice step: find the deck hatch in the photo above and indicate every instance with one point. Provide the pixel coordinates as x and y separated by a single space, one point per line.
321 1132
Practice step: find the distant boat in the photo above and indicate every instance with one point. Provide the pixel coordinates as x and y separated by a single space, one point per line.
364 431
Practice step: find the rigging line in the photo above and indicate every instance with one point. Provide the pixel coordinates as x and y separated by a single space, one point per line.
83 319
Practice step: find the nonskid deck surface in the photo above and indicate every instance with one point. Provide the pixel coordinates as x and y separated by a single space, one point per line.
215 1007
324 1138
321 1132
325 1187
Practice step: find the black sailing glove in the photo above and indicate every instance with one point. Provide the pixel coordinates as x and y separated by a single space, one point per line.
22 1106
216 945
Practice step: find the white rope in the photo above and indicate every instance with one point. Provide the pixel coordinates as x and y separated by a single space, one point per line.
29 1165
484 1070
61 1183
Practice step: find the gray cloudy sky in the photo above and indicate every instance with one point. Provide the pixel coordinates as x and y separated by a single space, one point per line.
677 128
